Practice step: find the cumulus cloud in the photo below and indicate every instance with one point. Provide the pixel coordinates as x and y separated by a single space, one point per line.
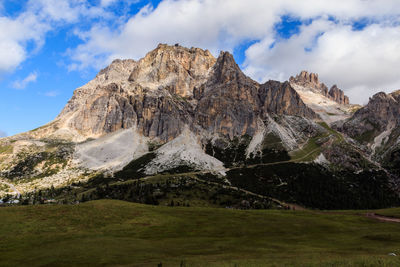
190 23
15 34
21 84
329 45
361 62
68 11
25 33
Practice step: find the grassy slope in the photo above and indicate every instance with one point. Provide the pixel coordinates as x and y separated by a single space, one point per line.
109 232
312 148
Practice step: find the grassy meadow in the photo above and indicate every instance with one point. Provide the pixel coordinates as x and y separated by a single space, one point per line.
117 233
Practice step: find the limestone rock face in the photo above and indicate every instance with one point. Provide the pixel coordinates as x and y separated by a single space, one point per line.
169 88
338 95
310 80
175 68
230 102
281 98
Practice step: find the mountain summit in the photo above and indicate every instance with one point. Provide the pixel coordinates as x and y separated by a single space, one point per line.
183 117
311 80
169 88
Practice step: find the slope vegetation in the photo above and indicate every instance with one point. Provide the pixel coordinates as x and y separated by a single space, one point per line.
119 233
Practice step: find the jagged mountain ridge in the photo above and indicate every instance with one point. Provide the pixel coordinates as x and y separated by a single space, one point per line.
182 110
169 88
331 105
154 99
311 80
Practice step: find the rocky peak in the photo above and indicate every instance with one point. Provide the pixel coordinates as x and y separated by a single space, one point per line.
117 70
227 79
228 101
306 79
175 68
226 69
311 78
383 107
311 81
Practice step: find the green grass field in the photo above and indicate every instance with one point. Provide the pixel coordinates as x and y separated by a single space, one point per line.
117 233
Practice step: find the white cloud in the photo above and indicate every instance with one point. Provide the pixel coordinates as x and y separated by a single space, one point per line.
69 11
370 54
190 23
29 28
51 93
27 80
361 62
15 34
356 60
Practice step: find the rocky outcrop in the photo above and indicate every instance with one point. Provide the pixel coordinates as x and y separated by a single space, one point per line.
311 81
376 128
338 96
175 68
281 98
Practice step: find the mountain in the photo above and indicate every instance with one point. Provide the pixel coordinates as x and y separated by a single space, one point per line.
310 80
179 124
376 127
331 105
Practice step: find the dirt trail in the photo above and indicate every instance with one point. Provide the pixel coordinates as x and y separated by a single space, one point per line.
382 218
273 163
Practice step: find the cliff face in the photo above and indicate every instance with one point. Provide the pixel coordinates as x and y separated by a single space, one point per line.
281 98
174 68
169 88
152 94
227 102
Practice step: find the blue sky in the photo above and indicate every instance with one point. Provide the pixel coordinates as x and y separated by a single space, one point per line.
48 48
